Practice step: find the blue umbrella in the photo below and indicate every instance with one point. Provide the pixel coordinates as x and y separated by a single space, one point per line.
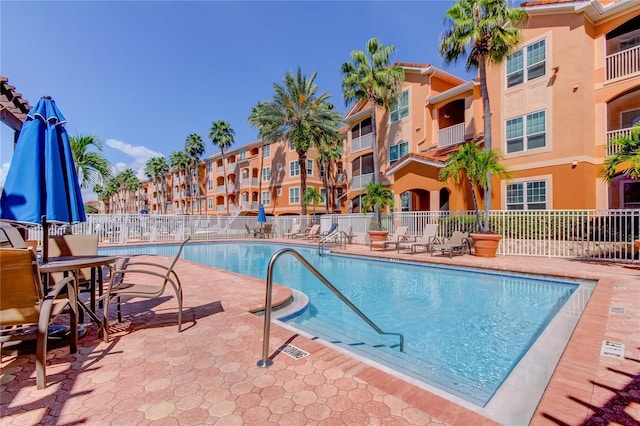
42 184
262 217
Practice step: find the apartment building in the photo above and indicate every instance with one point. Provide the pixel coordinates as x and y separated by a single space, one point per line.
573 85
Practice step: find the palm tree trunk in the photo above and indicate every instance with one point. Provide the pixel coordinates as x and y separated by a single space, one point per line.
486 110
327 197
376 166
260 176
224 181
302 160
475 206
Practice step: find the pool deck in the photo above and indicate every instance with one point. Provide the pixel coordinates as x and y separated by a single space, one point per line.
149 373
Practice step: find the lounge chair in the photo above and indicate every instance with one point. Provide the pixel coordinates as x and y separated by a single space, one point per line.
312 232
269 230
332 229
123 283
23 305
13 236
392 239
295 231
424 241
457 243
331 235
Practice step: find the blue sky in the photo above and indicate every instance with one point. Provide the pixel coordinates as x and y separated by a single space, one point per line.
143 75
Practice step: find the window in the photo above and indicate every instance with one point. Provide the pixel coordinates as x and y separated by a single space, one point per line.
209 185
201 204
266 198
279 192
243 155
527 195
627 118
535 66
323 196
310 167
526 132
266 174
266 151
210 167
294 195
292 146
398 151
400 108
294 169
362 128
210 203
405 198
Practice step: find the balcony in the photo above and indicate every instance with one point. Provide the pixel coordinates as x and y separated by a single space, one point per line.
360 181
363 142
615 134
451 135
624 63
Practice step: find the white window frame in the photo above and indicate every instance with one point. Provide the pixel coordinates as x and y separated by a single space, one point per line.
397 148
210 203
292 146
279 192
629 111
266 151
400 107
294 195
266 174
526 68
323 195
266 198
526 133
526 186
294 169
309 167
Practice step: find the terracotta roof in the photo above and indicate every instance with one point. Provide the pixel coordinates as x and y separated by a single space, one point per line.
545 2
13 107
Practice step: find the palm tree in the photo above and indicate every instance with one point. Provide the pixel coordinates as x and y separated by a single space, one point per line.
313 197
156 169
626 153
369 77
475 165
485 31
298 114
179 161
91 166
221 135
194 148
329 151
376 198
257 119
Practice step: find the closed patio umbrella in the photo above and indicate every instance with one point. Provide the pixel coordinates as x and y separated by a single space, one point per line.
262 216
42 184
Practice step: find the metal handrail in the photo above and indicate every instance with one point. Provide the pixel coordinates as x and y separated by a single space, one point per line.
340 234
265 361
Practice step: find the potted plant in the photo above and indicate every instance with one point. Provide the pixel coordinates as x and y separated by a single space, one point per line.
376 198
475 165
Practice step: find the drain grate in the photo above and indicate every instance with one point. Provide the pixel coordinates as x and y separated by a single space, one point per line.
617 310
612 349
293 352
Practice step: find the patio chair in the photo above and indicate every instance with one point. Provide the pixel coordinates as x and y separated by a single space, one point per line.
13 236
78 245
269 230
248 231
154 278
331 235
392 239
312 232
457 243
295 231
424 241
25 312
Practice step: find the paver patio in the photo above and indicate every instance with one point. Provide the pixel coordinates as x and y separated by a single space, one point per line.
149 373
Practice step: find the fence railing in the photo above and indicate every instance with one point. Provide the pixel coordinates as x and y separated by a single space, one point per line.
590 234
451 135
623 63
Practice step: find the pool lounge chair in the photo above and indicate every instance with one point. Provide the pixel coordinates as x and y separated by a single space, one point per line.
312 232
424 241
457 243
392 239
295 231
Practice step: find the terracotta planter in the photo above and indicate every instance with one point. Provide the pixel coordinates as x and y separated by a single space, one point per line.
378 235
485 245
637 242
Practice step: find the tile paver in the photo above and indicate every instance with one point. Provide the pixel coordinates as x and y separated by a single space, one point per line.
148 372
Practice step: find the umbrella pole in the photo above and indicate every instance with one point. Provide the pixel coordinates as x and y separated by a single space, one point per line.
45 240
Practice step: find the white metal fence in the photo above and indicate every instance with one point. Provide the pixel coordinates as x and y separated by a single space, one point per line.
591 234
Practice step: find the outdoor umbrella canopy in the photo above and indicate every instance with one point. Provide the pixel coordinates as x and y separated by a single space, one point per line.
262 217
42 185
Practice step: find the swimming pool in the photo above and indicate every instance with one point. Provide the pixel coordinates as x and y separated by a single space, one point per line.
464 330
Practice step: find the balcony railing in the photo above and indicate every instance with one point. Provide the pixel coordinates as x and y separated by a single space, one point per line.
363 142
360 181
623 63
451 135
615 134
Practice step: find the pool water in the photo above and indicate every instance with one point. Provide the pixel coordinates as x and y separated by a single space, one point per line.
464 330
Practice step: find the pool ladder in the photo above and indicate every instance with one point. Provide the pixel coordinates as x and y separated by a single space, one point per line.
266 361
341 236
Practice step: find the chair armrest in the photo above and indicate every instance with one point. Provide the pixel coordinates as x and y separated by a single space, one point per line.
137 263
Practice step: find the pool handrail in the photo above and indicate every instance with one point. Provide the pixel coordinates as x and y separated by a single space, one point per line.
338 234
266 361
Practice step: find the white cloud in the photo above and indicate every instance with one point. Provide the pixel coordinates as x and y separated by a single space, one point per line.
139 154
